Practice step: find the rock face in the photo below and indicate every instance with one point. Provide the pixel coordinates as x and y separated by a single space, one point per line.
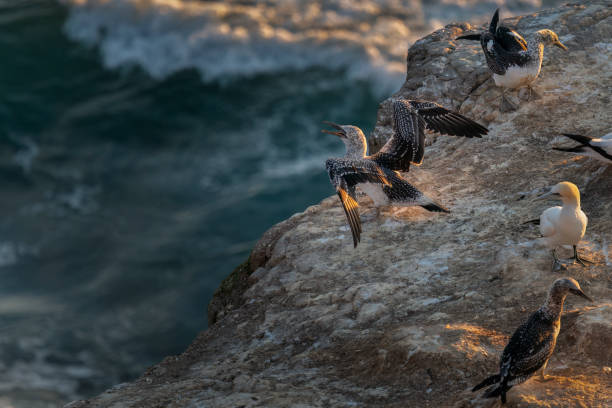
421 310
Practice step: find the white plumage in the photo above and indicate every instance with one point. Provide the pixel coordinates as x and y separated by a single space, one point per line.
563 225
517 76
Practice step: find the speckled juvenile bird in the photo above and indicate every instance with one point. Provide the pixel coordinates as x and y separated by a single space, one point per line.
377 175
513 61
532 343
601 148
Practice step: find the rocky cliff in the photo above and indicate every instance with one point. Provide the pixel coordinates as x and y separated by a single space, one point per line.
420 311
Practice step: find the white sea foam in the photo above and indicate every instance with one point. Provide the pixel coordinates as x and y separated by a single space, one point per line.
224 40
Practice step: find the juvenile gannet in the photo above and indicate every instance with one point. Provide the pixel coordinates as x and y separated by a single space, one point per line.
513 61
377 175
532 343
563 225
600 149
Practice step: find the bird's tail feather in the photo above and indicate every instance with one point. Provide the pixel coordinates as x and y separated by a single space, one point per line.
487 381
472 37
584 140
434 207
493 392
577 149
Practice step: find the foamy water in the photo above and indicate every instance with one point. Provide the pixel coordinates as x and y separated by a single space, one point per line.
224 40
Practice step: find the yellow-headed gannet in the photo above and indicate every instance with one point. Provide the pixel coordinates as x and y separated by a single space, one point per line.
563 225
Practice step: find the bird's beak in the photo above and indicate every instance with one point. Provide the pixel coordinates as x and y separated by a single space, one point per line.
580 293
560 45
544 196
340 133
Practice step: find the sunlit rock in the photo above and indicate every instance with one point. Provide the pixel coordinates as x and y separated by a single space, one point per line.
421 310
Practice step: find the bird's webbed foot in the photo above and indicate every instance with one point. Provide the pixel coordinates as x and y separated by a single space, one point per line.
372 213
557 265
543 376
506 105
529 94
578 259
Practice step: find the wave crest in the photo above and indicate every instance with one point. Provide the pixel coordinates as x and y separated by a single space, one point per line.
224 40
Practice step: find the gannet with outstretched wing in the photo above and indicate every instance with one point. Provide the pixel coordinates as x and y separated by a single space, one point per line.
377 175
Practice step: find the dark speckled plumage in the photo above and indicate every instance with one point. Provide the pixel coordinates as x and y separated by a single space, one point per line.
513 61
502 46
410 118
377 174
532 343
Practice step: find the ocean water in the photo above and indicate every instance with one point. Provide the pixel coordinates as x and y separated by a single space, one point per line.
145 145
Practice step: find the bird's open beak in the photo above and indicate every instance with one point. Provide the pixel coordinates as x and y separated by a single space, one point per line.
340 133
580 293
560 45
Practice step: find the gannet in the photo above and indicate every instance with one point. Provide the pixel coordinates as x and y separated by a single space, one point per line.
563 225
513 61
377 175
532 343
600 149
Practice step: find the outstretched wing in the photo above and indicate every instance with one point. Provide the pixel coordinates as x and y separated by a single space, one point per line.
441 120
345 175
407 145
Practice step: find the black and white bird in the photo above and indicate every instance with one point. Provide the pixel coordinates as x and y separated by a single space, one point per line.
378 175
513 61
601 148
532 343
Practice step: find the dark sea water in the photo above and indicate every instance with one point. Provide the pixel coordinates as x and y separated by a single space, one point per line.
146 145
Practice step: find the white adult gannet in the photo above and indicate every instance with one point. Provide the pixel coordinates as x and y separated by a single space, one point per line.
563 225
532 343
601 148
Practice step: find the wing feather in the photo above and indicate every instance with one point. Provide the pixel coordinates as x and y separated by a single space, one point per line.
442 120
406 146
345 175
351 209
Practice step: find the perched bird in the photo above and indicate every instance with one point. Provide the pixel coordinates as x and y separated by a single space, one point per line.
600 149
513 61
563 225
377 175
532 343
